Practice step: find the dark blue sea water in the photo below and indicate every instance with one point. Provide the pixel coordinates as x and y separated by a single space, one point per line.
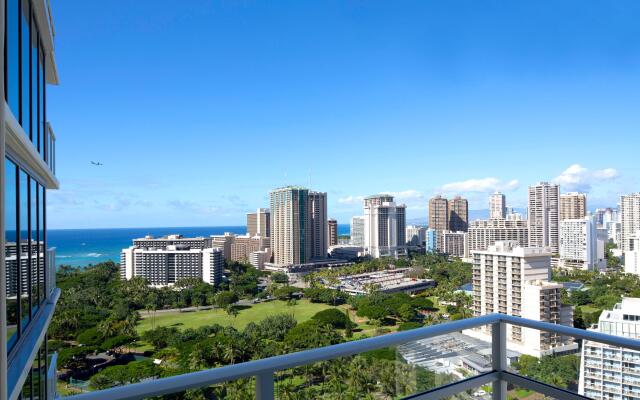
81 247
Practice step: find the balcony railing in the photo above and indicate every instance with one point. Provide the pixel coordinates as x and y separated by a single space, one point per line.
263 370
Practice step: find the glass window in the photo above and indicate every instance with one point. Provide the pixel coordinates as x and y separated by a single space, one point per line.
34 85
41 83
42 246
10 253
33 244
12 61
25 288
25 117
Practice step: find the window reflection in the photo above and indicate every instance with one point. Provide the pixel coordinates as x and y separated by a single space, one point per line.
12 63
34 85
25 117
23 251
42 246
11 264
34 246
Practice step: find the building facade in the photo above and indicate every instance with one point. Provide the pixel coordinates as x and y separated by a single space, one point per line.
416 235
632 257
357 231
544 216
458 214
573 205
608 372
298 225
579 244
514 280
259 222
28 294
332 231
384 227
497 206
455 244
629 219
431 242
163 264
485 233
439 213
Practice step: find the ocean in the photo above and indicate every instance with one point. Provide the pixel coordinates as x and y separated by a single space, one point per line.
81 247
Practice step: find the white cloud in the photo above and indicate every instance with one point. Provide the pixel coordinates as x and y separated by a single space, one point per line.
579 178
484 185
351 200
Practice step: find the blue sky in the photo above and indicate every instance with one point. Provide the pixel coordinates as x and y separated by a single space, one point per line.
198 108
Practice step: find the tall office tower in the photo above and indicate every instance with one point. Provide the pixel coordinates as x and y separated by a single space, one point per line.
384 227
605 370
485 233
27 172
259 222
579 244
458 214
629 219
318 211
332 231
514 280
544 216
416 235
298 225
497 206
439 218
632 257
357 231
455 244
573 205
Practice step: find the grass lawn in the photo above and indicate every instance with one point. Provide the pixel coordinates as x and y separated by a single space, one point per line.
589 309
302 311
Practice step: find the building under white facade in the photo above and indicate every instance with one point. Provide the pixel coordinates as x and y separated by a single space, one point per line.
485 233
580 246
629 219
416 235
497 206
384 227
514 280
609 372
357 231
544 216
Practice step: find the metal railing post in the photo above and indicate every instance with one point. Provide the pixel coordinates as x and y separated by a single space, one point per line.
264 386
499 358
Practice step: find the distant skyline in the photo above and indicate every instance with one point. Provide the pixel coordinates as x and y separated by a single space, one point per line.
197 109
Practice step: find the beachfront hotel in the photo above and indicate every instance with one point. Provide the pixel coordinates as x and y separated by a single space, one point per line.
28 294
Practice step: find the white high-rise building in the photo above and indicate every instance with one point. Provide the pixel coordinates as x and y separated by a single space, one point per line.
514 280
298 225
416 235
544 216
384 227
579 247
609 372
497 206
357 231
629 219
485 233
632 257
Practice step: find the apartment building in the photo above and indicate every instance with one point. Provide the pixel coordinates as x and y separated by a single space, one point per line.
238 247
332 231
455 244
632 257
514 280
27 172
485 233
164 266
580 247
497 206
384 227
609 372
298 225
629 219
259 222
439 213
416 235
573 205
357 231
544 216
458 214
431 241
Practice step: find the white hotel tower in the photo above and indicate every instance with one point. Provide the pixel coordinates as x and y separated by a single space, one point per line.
384 227
608 372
